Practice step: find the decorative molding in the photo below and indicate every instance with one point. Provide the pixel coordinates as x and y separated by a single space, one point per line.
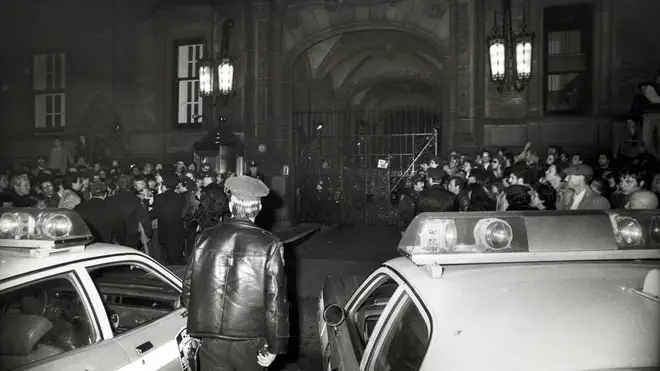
463 68
463 33
437 9
262 34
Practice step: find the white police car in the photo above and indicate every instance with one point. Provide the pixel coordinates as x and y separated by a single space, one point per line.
504 291
66 304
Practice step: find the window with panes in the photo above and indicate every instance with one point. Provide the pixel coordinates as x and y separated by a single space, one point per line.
49 84
189 103
568 53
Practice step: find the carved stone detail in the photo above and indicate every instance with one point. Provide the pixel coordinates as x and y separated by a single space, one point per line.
463 33
261 82
437 9
463 46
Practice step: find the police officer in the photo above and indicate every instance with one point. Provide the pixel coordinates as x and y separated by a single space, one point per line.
254 171
234 287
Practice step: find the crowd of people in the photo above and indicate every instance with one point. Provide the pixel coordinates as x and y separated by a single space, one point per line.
159 211
501 181
628 176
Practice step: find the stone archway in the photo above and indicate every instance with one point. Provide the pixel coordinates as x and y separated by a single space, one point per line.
284 108
303 26
424 40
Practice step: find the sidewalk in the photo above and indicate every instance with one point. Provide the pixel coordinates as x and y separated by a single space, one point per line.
354 244
342 252
299 232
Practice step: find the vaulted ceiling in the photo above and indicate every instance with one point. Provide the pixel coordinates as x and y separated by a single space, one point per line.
377 67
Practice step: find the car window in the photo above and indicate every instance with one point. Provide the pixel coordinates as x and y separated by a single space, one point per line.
366 313
132 295
405 341
43 319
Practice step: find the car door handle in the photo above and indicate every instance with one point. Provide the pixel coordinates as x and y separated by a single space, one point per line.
144 348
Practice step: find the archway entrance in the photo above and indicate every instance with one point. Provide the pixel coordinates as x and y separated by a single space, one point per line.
367 107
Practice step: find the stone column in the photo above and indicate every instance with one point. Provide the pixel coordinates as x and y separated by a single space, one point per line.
259 103
464 51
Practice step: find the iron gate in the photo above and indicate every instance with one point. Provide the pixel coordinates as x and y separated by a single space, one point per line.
348 162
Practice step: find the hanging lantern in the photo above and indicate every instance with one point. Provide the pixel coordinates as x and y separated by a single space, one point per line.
206 79
523 57
510 53
497 53
225 76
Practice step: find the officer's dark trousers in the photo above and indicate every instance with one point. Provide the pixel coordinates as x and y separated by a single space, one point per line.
226 355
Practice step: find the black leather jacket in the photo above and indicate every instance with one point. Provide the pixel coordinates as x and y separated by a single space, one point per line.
234 286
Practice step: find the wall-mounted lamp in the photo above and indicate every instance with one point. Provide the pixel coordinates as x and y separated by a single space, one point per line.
510 54
217 75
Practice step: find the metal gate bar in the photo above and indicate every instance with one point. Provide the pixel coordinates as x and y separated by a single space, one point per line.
338 178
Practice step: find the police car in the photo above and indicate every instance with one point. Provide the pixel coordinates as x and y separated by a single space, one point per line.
69 304
504 291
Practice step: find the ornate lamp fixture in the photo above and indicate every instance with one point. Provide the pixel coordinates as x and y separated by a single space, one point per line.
510 54
226 66
217 75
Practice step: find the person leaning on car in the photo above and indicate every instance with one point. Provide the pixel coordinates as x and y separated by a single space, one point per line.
234 287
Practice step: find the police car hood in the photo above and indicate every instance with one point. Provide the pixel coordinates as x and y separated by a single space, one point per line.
574 316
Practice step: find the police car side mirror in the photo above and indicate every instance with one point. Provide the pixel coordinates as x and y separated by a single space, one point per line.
334 315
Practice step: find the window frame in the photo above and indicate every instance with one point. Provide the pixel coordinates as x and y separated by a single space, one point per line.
587 49
50 92
176 80
364 353
71 274
406 294
144 266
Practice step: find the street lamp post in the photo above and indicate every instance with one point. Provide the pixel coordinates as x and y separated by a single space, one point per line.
510 54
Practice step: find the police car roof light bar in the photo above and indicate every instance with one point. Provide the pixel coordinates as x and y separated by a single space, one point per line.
40 232
531 236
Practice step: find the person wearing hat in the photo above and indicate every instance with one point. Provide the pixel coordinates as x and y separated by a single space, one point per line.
578 178
435 198
168 209
102 217
234 287
254 171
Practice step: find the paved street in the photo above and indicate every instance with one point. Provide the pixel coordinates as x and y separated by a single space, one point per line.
336 251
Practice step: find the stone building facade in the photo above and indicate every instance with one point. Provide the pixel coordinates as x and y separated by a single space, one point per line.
307 56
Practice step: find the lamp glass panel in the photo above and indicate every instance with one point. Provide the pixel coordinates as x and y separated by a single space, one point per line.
524 59
205 80
225 77
497 60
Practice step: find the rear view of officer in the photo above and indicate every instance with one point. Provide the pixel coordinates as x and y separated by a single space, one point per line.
234 287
